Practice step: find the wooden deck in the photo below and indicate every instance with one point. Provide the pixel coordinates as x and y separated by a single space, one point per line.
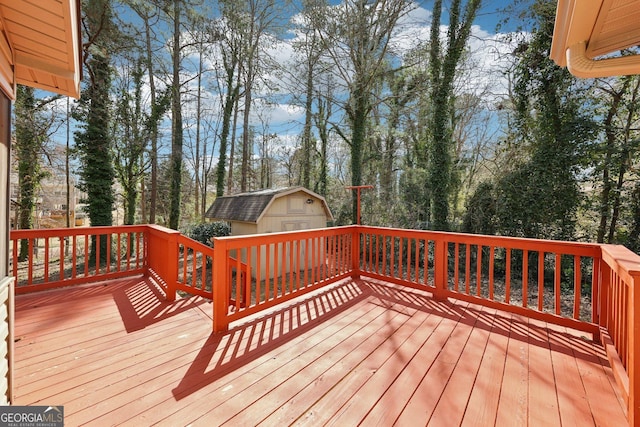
357 352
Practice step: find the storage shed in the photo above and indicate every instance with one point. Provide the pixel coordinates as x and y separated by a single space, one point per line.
271 211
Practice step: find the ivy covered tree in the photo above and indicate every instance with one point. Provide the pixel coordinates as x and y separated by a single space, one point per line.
93 139
539 195
443 63
30 134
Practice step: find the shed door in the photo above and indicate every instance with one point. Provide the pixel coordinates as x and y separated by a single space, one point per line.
295 225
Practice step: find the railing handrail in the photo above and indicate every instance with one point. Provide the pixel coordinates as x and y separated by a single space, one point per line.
620 257
73 231
579 248
236 242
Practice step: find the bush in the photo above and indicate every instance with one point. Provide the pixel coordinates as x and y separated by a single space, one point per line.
205 231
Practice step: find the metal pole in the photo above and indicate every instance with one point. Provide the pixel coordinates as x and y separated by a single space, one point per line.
358 188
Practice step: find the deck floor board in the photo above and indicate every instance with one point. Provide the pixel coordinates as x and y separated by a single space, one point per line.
359 351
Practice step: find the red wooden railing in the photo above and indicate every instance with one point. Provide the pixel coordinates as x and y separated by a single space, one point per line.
60 257
619 319
583 286
282 266
550 280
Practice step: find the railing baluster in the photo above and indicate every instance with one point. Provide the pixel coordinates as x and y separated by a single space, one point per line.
416 261
276 270
205 269
492 254
259 264
445 265
98 245
268 273
74 256
426 262
60 258
478 270
86 255
30 246
46 260
525 278
238 280
392 262
577 283
108 247
119 250
377 269
595 292
507 277
408 259
540 280
456 266
556 282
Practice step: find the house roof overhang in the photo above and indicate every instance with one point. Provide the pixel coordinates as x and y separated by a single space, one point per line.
588 33
40 44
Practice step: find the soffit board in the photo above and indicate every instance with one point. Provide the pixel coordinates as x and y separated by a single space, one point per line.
44 41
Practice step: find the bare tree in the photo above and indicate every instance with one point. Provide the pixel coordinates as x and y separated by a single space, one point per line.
357 36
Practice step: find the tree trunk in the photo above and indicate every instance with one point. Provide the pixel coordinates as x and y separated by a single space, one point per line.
153 193
306 135
232 150
359 128
176 131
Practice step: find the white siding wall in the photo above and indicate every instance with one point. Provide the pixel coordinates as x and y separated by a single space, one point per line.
291 213
6 338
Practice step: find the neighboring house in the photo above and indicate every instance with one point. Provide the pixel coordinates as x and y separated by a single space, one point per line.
51 202
270 211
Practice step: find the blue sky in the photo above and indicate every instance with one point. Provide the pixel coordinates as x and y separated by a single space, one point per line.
285 118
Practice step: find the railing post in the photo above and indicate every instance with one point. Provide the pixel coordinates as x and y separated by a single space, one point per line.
603 295
596 288
355 252
172 265
633 370
220 286
440 269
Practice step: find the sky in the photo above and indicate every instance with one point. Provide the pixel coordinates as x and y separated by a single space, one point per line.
488 48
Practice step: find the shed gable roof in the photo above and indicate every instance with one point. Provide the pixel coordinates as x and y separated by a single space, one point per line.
250 206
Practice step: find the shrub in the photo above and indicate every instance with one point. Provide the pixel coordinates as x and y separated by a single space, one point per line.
205 231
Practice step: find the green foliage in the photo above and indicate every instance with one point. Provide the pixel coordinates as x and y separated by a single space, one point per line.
93 138
415 196
94 143
538 195
479 217
205 231
442 70
30 134
539 202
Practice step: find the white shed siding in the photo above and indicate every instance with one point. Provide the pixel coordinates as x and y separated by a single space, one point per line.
243 228
293 212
